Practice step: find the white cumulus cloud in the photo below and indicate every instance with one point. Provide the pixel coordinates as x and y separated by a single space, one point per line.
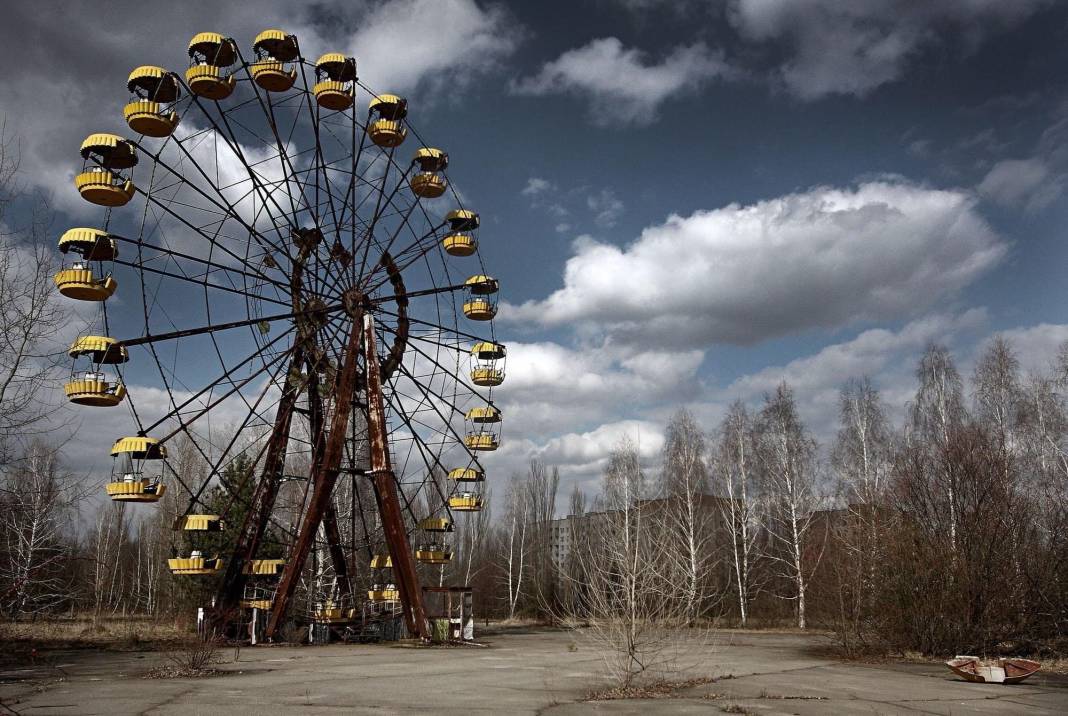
852 47
1020 182
623 85
826 257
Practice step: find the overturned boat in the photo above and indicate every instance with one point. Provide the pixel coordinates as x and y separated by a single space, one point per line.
992 671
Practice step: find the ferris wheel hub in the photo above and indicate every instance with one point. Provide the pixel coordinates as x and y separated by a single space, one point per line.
355 302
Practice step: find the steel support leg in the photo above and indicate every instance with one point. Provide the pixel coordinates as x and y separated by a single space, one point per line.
400 552
324 476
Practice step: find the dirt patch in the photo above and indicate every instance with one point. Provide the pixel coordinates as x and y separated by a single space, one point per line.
655 690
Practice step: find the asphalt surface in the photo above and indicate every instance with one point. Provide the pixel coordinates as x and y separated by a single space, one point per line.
516 672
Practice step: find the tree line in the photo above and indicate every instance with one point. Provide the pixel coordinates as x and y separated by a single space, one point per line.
946 533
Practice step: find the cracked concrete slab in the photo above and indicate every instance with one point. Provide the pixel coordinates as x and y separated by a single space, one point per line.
519 672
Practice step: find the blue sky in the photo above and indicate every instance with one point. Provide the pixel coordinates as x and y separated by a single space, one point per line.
685 202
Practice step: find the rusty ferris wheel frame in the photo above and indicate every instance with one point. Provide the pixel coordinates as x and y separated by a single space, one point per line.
277 185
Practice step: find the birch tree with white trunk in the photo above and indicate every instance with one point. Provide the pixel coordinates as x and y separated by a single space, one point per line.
689 518
788 469
936 412
736 470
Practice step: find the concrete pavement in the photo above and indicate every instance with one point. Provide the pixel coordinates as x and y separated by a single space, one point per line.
519 672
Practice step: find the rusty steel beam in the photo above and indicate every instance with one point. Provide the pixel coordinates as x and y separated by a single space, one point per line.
330 525
232 585
324 476
400 552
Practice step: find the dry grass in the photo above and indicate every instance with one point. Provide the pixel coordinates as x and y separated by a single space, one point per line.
112 633
654 690
195 658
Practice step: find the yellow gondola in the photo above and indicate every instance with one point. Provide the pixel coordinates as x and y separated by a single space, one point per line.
385 125
466 502
263 604
128 481
109 151
99 182
91 244
481 441
467 474
436 524
381 561
135 491
433 554
429 182
462 220
274 50
154 89
103 188
457 244
460 240
387 593
195 563
480 304
209 82
80 283
93 387
264 567
335 77
199 523
483 414
488 370
209 54
331 613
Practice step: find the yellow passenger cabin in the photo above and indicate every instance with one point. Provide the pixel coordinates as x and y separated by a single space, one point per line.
330 612
467 474
436 524
481 441
195 564
433 554
89 385
150 111
381 561
335 81
488 368
262 604
100 181
385 122
275 50
90 244
209 55
483 415
466 502
461 241
264 567
82 283
480 303
429 182
130 478
383 593
199 523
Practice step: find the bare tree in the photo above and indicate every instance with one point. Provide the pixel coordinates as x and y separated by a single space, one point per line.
38 502
515 541
996 383
936 412
689 518
788 466
30 313
634 609
542 485
737 470
862 458
472 533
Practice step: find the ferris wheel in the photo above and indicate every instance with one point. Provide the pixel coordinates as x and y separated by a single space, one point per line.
283 257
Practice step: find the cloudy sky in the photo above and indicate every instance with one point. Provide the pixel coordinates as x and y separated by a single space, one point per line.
686 202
